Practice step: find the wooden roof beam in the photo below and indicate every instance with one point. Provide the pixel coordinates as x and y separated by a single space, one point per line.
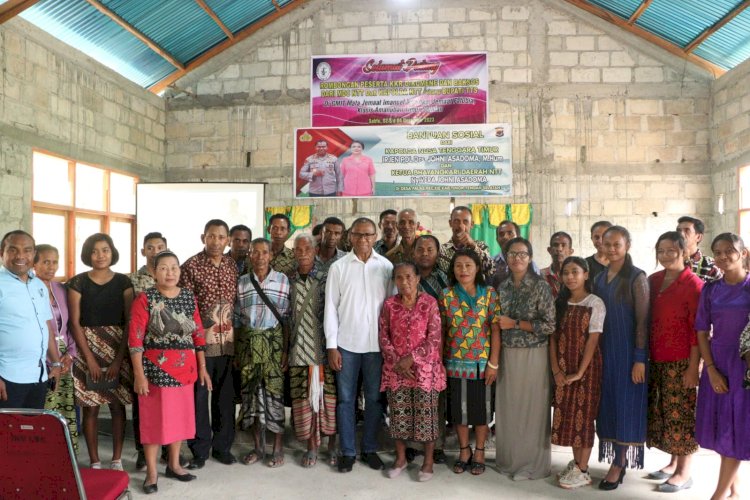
12 8
221 47
647 35
276 4
640 10
216 19
140 36
716 26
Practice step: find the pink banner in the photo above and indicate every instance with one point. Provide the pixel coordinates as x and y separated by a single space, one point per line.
399 89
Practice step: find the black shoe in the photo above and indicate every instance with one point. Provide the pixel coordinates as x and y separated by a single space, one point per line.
140 462
185 478
373 460
345 463
438 456
196 463
149 488
607 486
226 458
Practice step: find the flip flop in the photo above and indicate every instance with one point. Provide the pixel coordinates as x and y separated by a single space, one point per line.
309 459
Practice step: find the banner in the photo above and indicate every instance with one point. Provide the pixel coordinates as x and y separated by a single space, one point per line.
399 89
437 160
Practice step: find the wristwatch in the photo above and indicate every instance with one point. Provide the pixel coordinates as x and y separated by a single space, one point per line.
56 364
518 324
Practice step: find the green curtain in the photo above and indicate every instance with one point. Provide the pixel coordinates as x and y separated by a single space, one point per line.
487 216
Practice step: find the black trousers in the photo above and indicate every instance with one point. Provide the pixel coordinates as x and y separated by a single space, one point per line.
25 395
214 424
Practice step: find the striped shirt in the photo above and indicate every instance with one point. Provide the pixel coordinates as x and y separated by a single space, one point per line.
250 311
704 267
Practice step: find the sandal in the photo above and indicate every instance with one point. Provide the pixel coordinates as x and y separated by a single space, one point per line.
309 459
477 468
462 466
277 459
252 457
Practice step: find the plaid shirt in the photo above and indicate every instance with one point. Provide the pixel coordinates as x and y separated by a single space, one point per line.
250 310
704 267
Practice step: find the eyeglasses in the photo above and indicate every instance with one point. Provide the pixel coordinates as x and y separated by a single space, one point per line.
361 235
518 255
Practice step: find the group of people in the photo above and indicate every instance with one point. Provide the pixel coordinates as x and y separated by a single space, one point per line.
328 175
435 336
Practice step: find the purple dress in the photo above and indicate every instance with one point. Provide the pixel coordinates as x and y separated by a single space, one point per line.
722 422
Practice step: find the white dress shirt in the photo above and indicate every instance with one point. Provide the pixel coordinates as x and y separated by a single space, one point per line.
355 292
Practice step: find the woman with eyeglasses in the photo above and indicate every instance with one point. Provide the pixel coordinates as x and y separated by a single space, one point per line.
674 362
522 421
621 423
722 422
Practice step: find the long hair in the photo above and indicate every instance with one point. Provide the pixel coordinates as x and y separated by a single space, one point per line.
737 244
674 237
561 302
623 291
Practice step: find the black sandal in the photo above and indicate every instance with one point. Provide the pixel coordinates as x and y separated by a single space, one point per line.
477 468
460 466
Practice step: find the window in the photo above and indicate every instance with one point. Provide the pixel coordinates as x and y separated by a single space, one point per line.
744 201
73 200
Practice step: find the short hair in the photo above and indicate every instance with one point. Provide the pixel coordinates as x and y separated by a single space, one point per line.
153 236
600 223
305 236
408 211
334 221
524 242
406 263
91 241
44 247
283 217
386 213
698 225
10 234
215 222
364 220
508 221
466 252
428 237
321 140
460 208
241 227
163 255
563 234
317 229
258 241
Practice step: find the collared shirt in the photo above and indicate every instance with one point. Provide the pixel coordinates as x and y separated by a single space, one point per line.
401 253
355 292
307 343
241 265
381 248
24 336
324 266
141 280
448 249
215 288
250 310
704 267
329 182
532 301
553 280
502 271
284 262
434 283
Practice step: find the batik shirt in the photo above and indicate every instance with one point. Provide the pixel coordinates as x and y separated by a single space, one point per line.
215 288
401 253
380 247
532 301
284 262
447 250
434 283
307 346
141 280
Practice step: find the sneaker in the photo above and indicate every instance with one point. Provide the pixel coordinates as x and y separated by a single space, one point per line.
575 479
571 465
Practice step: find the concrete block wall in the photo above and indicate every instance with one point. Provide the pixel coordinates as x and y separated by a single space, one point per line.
599 117
57 99
730 141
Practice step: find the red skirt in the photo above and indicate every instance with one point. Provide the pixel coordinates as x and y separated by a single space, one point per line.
167 414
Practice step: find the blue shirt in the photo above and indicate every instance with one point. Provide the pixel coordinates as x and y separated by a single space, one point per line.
24 337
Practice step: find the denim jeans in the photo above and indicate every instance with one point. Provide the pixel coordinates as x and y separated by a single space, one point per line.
371 365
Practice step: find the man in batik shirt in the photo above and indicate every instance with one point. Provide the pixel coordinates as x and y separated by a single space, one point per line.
279 227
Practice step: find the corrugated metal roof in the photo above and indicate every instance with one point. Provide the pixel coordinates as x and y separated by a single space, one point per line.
185 31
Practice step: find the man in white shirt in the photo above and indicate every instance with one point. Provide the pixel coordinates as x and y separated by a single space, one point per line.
356 287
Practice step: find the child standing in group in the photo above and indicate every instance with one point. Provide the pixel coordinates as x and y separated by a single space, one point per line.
577 367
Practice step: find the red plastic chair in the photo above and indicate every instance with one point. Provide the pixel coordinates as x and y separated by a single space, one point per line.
37 461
